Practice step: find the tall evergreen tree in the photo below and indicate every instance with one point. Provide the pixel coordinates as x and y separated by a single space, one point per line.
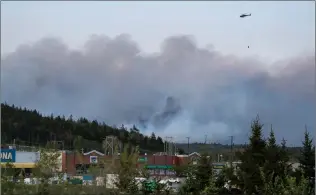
284 164
307 159
272 158
198 176
252 160
204 171
257 144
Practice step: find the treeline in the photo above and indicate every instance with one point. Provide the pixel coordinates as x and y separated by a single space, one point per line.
265 169
225 150
29 127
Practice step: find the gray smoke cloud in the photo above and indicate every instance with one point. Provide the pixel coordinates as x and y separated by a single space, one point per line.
183 90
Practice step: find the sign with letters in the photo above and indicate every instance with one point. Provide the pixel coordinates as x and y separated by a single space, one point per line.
8 155
142 159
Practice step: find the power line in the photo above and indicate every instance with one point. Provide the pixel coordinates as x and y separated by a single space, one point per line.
169 146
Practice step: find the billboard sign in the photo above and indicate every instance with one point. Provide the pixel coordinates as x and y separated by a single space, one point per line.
27 157
8 155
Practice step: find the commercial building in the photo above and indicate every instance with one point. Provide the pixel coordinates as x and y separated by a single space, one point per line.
74 163
19 159
161 165
22 161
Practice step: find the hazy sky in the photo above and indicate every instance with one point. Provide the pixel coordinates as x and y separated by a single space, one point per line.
198 78
275 30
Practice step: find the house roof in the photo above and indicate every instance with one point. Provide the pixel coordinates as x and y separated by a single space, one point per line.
93 151
195 153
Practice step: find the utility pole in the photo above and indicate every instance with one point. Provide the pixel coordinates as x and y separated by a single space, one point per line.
188 145
111 145
231 150
175 149
169 146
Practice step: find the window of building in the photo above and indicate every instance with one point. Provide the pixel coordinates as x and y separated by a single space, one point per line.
82 169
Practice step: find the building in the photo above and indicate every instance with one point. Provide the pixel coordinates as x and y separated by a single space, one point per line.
74 163
21 161
162 165
192 158
79 163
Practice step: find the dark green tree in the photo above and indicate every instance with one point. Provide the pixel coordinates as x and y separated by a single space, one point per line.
29 127
271 166
191 185
252 160
204 171
181 151
127 170
198 176
307 160
284 165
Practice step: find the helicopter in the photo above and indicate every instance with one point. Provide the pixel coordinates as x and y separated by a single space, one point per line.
244 15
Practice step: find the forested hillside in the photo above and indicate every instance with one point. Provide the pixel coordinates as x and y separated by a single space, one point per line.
31 128
215 149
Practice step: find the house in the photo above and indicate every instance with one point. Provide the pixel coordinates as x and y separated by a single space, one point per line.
78 163
189 159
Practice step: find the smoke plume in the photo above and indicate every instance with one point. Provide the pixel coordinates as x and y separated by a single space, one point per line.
183 90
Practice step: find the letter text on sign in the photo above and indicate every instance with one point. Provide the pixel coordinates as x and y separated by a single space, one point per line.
8 155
